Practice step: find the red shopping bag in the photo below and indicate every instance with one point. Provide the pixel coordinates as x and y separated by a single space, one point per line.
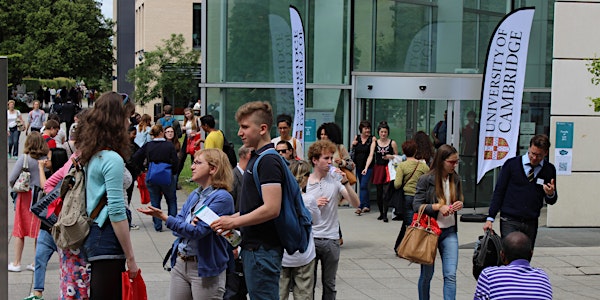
133 289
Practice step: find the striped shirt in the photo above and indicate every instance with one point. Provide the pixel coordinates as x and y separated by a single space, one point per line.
518 280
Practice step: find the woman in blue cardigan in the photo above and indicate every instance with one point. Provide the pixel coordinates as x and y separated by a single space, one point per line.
200 255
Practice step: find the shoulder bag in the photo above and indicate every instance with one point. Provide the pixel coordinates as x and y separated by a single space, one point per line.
22 183
158 172
419 245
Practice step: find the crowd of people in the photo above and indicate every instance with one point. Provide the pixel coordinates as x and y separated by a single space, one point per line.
204 265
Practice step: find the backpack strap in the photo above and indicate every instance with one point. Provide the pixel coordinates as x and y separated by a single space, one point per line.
255 167
98 209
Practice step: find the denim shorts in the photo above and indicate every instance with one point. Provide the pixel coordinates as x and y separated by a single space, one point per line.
102 243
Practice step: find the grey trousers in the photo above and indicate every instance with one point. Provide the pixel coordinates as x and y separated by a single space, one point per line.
186 284
328 252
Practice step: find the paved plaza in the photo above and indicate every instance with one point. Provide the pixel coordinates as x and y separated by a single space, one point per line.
368 268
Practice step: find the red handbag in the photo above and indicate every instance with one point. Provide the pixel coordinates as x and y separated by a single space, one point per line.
190 148
133 289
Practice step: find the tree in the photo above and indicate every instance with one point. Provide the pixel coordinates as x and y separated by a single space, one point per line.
56 38
166 71
593 66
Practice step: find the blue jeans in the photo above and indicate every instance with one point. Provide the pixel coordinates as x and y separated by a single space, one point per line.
13 141
43 251
364 187
448 247
156 192
262 269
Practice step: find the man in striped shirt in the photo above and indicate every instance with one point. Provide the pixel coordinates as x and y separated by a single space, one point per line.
517 279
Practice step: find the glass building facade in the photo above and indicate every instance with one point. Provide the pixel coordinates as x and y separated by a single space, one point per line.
247 56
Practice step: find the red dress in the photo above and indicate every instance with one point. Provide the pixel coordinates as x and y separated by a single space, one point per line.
26 224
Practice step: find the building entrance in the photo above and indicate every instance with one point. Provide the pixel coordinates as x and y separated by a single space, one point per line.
419 103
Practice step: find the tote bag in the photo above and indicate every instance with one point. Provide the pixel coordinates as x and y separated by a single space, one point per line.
419 245
159 173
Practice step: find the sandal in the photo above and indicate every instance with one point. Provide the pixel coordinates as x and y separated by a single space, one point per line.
366 210
358 212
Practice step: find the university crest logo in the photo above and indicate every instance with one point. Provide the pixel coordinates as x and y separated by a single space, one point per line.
495 148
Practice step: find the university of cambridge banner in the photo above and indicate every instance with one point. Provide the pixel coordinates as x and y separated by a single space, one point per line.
298 73
502 91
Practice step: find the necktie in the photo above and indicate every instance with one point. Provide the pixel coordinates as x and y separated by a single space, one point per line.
530 175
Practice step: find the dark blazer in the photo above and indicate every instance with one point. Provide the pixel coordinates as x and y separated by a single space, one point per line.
425 193
516 197
236 191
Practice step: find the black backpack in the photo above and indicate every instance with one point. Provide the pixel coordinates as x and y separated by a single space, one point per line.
487 252
229 150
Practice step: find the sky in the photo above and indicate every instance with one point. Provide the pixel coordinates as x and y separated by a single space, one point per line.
107 8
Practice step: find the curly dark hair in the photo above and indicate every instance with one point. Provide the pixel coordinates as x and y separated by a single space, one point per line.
103 127
333 131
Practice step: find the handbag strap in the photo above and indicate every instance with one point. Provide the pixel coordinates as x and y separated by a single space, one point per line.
25 163
409 177
421 212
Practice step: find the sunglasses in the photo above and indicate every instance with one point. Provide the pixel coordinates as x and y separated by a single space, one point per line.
283 150
125 98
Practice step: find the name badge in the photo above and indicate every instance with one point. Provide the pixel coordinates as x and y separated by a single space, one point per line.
540 181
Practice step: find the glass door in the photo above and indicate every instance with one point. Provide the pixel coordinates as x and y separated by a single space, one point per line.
406 117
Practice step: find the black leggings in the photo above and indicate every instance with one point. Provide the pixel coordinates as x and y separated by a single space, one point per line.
105 280
382 203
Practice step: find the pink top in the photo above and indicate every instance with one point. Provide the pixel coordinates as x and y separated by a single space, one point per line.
58 175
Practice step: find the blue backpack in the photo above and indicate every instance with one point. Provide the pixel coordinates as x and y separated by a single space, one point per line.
294 222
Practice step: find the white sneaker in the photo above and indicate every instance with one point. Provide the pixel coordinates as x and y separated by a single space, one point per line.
13 268
30 267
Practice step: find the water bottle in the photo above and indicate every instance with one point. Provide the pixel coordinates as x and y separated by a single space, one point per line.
336 176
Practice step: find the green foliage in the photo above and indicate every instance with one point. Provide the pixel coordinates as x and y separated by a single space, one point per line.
53 38
31 84
593 66
63 81
165 72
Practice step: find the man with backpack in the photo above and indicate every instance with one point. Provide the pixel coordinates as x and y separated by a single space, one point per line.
169 120
262 249
324 185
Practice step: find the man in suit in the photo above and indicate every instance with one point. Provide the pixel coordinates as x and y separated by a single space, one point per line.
524 184
238 173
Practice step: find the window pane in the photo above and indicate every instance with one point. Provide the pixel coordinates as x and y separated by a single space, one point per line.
197 25
322 105
250 41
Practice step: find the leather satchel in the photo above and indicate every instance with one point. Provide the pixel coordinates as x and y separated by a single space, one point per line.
419 245
349 175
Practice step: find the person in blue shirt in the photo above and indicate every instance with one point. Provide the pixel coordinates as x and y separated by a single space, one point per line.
199 254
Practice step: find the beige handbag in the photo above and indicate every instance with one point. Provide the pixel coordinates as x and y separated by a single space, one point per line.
419 245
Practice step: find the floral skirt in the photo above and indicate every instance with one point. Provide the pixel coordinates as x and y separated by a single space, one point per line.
74 275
